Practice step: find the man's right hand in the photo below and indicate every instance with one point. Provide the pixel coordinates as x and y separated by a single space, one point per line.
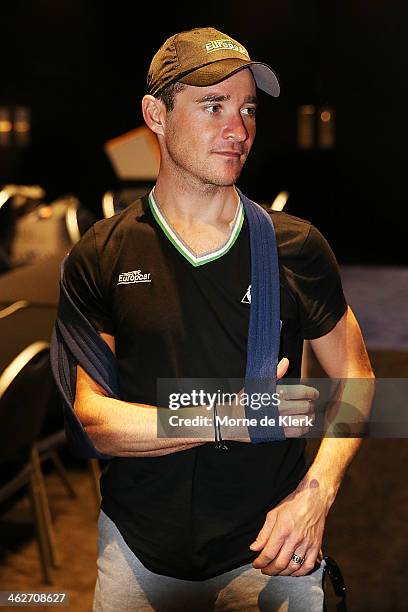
297 402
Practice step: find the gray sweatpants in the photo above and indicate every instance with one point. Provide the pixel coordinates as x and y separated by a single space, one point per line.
124 585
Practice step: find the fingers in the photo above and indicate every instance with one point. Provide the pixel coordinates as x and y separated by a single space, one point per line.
311 556
276 561
293 566
296 417
282 368
269 553
265 532
296 407
284 565
297 392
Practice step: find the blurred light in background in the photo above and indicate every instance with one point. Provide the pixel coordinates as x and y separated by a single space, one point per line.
326 128
280 201
306 126
15 126
108 207
316 127
6 126
22 126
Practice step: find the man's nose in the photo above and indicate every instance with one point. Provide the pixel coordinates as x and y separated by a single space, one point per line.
235 129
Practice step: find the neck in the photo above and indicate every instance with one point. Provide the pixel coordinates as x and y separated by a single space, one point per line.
193 201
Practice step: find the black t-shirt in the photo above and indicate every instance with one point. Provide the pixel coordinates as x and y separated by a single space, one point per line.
192 514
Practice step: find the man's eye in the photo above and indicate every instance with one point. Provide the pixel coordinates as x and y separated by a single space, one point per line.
214 108
251 111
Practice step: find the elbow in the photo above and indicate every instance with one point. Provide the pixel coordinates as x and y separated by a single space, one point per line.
100 441
368 370
361 368
100 437
82 412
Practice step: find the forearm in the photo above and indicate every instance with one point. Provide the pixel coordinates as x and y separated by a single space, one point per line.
129 429
349 412
330 464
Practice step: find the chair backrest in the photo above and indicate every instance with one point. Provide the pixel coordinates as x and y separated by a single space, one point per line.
25 387
7 311
22 327
43 232
78 220
117 200
71 221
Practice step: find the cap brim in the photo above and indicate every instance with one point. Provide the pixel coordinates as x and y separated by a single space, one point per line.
213 73
265 78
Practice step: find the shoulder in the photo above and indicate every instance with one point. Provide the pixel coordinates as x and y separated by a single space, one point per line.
291 233
102 240
300 244
132 219
105 237
296 236
310 272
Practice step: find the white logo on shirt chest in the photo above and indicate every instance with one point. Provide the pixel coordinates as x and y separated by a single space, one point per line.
247 297
134 276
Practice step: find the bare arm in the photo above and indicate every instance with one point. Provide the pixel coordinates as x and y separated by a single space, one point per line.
122 428
342 354
297 523
129 429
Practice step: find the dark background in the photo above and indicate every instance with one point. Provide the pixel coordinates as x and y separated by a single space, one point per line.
80 66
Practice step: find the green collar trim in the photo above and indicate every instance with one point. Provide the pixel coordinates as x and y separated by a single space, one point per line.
180 244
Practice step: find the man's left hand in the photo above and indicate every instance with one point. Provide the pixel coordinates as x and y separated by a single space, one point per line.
294 526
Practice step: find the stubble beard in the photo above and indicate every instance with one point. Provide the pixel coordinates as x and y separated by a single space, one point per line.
201 174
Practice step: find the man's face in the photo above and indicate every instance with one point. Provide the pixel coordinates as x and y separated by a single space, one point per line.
210 131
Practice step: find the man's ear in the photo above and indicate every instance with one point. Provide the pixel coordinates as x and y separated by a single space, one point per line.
153 114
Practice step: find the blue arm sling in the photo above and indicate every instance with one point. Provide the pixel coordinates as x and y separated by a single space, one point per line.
75 341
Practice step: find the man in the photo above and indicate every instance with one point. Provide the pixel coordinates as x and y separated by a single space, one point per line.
167 284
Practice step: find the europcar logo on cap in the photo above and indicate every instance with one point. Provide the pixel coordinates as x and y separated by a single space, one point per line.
224 43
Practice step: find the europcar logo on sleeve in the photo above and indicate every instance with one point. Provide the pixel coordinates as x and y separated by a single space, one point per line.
134 276
225 43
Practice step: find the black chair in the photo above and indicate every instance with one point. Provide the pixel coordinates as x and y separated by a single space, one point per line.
22 323
77 220
52 438
25 387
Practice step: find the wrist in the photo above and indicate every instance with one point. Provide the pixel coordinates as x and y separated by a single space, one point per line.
322 482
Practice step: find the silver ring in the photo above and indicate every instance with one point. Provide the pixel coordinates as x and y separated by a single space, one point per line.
298 559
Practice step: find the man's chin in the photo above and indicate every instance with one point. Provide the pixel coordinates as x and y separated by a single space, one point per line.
225 180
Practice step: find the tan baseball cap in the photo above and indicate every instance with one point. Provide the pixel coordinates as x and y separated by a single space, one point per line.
202 57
